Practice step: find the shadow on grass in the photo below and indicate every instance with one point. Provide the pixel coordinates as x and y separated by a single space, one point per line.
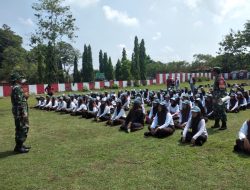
212 131
242 154
7 154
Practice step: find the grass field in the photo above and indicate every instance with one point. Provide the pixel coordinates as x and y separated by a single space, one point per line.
72 153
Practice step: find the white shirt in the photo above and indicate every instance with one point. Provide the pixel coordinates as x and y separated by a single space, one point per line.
201 129
82 107
106 111
235 105
62 105
174 110
116 115
244 102
243 131
56 104
168 121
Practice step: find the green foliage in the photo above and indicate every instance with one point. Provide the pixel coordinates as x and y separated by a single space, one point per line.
136 83
76 74
114 86
118 70
51 70
135 66
109 70
54 21
142 60
101 65
87 65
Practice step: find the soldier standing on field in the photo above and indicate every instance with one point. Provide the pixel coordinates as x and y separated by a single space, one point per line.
20 112
219 91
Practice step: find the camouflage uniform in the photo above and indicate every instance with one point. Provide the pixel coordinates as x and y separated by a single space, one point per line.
20 113
219 110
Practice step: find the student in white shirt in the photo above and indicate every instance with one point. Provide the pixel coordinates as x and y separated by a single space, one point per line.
152 112
92 109
242 101
119 115
81 107
243 142
232 105
163 124
61 105
185 115
174 109
103 113
195 130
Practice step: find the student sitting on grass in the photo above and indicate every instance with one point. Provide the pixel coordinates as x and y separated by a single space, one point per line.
81 107
163 124
174 109
185 114
61 105
152 112
243 143
135 119
119 115
195 131
246 95
242 101
103 113
232 106
92 109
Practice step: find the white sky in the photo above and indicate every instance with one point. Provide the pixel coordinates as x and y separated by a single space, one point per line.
172 29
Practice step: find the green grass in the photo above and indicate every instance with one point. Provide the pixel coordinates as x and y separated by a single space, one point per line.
72 153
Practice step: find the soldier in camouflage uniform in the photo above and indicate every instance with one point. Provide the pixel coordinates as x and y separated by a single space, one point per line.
219 91
20 113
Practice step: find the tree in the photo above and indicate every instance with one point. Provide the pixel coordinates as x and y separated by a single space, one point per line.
135 68
142 60
90 64
105 64
101 68
124 55
110 70
126 70
87 65
55 21
40 68
118 70
51 70
76 75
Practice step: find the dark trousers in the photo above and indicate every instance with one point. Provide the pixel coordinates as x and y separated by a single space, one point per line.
162 133
105 117
22 129
133 127
199 141
239 147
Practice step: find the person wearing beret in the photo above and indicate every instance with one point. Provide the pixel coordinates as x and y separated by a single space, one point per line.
195 130
163 124
135 118
243 142
174 109
119 115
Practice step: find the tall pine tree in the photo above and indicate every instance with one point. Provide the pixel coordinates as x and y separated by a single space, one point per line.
101 68
51 70
110 70
142 60
105 64
135 67
76 72
40 67
84 65
90 64
118 70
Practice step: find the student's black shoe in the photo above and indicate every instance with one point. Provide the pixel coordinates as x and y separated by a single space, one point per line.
216 124
21 150
147 134
26 147
223 128
236 149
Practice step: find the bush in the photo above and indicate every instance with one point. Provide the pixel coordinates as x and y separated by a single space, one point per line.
136 83
114 86
200 79
85 89
144 82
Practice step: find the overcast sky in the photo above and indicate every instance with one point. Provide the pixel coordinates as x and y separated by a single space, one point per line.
172 29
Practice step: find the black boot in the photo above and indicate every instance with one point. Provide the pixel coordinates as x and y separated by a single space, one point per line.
26 147
20 149
223 126
216 124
